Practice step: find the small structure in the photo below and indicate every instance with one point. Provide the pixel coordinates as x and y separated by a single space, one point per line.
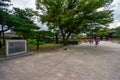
12 35
15 47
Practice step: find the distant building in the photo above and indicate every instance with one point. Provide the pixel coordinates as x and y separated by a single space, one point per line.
11 35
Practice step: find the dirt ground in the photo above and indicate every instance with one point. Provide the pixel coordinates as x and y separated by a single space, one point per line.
79 62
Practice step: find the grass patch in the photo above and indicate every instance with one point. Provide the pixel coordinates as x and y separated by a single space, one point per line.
45 47
2 51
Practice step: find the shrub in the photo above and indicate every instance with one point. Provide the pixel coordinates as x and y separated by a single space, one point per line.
31 41
47 40
41 41
73 42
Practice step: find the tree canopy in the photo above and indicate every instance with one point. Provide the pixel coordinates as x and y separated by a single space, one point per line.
18 20
71 16
24 22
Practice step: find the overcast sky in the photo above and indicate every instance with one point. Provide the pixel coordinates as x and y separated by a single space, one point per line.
116 7
31 4
27 3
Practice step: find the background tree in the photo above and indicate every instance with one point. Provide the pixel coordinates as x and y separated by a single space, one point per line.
3 13
18 20
25 24
43 37
4 18
70 16
117 32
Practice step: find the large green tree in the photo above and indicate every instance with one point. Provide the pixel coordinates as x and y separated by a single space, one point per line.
20 20
70 16
24 23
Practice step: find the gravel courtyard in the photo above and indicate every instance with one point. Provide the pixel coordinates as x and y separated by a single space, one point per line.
81 62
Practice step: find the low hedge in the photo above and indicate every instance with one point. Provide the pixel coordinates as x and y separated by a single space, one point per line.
73 42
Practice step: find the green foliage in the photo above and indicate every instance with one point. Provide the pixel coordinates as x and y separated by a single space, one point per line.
45 36
73 16
73 42
117 32
5 17
44 33
7 37
2 51
42 37
42 42
34 42
3 11
100 31
77 36
25 25
31 42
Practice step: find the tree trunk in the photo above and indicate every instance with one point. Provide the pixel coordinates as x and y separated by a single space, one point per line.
24 35
3 36
65 38
65 35
0 41
0 44
37 43
69 34
64 41
56 38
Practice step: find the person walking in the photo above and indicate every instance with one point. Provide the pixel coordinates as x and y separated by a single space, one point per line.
96 42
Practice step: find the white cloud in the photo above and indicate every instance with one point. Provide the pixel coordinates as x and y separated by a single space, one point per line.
28 4
31 4
115 24
42 26
23 3
116 7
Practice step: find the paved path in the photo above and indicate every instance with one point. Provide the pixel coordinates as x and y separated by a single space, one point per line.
82 62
